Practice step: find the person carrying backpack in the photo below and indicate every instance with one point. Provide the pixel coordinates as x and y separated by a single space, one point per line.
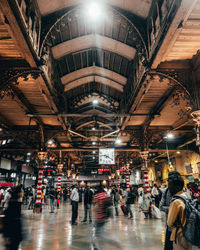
102 205
129 201
116 198
177 213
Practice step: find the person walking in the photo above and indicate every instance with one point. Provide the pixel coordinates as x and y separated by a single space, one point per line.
52 196
102 202
6 198
146 205
88 196
116 198
155 195
177 215
74 201
129 201
12 226
164 207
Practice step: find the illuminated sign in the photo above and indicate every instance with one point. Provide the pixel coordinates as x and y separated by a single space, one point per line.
103 169
5 184
124 170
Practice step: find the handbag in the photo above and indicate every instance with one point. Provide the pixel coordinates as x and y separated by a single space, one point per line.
155 212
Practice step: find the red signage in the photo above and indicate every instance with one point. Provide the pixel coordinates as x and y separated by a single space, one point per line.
5 184
47 170
124 170
103 169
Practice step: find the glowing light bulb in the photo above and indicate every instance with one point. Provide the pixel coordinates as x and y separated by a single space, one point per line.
118 141
95 101
170 136
94 11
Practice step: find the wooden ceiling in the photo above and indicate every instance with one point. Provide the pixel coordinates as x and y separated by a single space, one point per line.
59 62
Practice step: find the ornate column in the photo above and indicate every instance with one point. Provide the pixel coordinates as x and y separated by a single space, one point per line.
42 155
38 202
68 182
144 156
193 87
59 186
59 183
146 181
196 118
127 182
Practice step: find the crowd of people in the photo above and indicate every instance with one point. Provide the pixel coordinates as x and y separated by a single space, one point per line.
100 202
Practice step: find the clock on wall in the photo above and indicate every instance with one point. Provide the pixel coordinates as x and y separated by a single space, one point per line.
106 156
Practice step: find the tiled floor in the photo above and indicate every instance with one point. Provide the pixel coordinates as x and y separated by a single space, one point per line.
48 231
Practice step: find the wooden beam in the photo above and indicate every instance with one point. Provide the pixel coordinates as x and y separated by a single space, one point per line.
85 115
170 38
4 122
7 130
109 134
138 99
158 107
78 134
24 103
43 84
16 31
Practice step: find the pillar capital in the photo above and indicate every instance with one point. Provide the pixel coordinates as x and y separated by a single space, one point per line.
196 117
144 155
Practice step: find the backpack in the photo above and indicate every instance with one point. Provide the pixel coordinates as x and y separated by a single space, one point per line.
130 198
116 197
191 230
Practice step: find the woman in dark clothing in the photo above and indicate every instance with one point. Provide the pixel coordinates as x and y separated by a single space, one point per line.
12 227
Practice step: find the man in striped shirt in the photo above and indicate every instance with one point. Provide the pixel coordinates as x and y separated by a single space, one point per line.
102 202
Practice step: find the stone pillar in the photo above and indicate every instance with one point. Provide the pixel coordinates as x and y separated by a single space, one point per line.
144 156
38 203
146 181
68 188
58 189
59 186
118 182
127 182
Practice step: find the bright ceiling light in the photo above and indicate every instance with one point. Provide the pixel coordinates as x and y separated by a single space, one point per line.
93 143
118 141
28 153
94 11
3 142
178 152
1 129
170 136
95 101
93 158
93 128
50 142
93 152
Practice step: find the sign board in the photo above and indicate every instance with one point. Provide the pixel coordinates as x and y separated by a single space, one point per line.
188 168
5 163
6 184
27 169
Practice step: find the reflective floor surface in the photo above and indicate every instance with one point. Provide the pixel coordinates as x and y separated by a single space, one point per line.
48 231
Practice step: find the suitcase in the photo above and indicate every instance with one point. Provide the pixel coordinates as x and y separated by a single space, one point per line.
123 208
